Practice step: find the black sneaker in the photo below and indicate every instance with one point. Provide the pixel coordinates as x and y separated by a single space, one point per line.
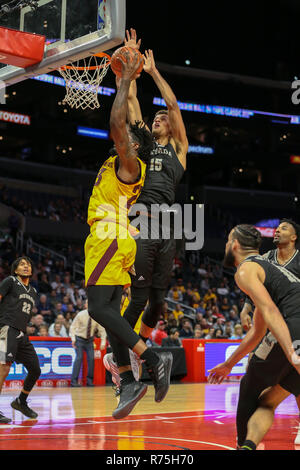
161 374
129 396
3 419
24 408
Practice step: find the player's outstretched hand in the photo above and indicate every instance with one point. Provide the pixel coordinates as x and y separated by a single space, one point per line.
218 373
131 39
149 65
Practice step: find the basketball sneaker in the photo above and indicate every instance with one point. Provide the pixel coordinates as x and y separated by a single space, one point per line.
111 366
161 375
4 419
24 408
130 394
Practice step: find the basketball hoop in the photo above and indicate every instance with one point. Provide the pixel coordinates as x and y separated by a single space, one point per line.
83 79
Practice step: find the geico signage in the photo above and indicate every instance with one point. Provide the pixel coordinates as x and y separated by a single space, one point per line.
16 118
50 361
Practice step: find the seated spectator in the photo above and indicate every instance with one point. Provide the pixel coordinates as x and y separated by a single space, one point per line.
37 320
181 286
228 331
216 314
63 331
159 333
172 340
186 330
210 295
218 334
57 284
238 332
210 334
70 309
198 318
219 323
204 284
57 330
198 333
195 301
43 330
44 308
233 316
171 323
225 306
222 290
200 308
205 326
196 294
175 294
64 303
201 270
177 311
58 309
53 299
44 286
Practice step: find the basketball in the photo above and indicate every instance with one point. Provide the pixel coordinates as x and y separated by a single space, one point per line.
116 63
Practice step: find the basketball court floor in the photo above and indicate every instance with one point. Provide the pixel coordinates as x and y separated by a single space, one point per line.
192 417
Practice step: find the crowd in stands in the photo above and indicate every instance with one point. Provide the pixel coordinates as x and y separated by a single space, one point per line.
202 302
53 208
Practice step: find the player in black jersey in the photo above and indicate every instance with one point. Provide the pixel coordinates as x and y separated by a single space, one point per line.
154 259
286 254
275 366
18 298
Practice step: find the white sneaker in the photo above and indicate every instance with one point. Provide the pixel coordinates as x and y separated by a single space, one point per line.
136 365
112 367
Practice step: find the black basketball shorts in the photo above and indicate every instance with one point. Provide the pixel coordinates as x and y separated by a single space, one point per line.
15 347
269 366
154 262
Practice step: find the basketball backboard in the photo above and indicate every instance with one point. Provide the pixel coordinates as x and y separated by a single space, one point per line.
74 29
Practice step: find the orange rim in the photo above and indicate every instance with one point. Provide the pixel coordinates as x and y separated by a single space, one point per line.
92 67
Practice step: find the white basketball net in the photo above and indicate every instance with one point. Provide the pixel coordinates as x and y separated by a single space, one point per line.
83 79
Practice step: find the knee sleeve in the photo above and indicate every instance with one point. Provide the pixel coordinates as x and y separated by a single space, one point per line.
155 307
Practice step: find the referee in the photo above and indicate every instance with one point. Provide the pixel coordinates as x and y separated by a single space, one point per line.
17 299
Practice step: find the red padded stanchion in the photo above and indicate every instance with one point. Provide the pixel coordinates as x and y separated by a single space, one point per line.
20 49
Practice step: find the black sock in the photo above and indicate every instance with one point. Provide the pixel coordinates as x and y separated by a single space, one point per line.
150 357
249 445
127 377
23 397
143 338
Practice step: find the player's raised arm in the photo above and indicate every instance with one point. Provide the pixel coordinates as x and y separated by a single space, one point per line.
134 109
175 118
126 149
250 278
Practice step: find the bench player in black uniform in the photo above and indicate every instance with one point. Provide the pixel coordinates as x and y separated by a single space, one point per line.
154 259
18 298
287 255
275 292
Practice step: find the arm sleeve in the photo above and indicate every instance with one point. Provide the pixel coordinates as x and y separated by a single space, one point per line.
5 286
